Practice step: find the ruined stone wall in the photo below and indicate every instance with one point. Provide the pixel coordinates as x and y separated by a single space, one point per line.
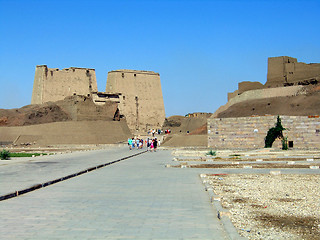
52 84
141 100
247 86
288 71
232 94
249 132
276 70
82 108
298 72
198 115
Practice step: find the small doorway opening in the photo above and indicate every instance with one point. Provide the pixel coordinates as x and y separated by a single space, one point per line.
290 144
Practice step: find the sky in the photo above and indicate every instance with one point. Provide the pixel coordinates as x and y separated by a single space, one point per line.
202 49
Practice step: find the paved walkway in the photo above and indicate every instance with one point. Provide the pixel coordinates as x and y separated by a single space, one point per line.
20 173
137 198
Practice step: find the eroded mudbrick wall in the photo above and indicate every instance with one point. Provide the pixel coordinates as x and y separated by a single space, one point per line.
52 84
285 70
246 86
141 100
249 132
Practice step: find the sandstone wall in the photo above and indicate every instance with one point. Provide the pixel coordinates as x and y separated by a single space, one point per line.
249 132
52 84
141 100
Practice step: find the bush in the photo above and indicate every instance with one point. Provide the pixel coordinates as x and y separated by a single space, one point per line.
4 155
26 154
211 153
284 143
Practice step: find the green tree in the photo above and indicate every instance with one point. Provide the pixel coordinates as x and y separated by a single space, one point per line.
274 133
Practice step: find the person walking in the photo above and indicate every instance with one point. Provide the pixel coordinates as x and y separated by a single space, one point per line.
147 144
155 144
151 146
130 143
133 143
141 143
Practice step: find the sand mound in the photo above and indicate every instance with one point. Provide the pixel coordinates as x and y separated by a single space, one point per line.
200 131
186 131
74 120
179 140
301 105
73 108
182 125
70 132
32 114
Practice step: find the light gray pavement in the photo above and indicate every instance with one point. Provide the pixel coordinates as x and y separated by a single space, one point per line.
20 173
134 199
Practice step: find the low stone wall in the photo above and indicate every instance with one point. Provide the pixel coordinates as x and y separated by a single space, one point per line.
249 132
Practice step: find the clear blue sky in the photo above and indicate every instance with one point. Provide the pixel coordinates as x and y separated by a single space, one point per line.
201 49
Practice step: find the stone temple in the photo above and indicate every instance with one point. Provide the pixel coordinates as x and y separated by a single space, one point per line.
137 93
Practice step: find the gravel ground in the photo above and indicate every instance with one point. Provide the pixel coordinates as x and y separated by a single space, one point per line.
249 165
264 206
238 159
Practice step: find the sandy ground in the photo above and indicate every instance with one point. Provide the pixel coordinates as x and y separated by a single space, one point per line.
265 206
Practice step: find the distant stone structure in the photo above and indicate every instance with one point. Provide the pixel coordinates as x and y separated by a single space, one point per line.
287 71
286 77
245 86
198 114
283 71
52 84
138 93
141 99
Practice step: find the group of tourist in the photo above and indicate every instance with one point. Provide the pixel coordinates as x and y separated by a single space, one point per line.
152 144
154 131
135 143
158 131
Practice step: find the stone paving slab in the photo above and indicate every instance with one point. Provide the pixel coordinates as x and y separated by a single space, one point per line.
134 199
